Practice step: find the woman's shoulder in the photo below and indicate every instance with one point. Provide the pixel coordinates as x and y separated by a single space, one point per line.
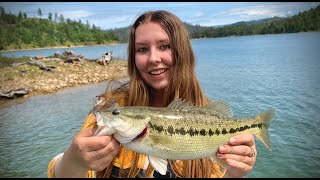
89 122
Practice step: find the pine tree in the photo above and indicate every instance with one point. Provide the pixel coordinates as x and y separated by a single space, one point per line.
50 16
55 17
39 13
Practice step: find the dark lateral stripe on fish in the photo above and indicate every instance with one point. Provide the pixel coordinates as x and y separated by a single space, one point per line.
203 132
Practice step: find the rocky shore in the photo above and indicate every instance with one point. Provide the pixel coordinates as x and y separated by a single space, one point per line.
39 81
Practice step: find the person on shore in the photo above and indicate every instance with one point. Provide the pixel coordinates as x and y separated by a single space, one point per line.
161 68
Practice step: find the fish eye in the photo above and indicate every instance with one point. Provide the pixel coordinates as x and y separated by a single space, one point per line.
116 112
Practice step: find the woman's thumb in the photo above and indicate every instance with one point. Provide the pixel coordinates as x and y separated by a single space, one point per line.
87 132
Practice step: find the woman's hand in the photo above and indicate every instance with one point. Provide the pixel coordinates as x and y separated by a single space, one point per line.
87 152
240 154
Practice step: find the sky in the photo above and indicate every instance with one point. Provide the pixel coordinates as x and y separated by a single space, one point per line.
108 15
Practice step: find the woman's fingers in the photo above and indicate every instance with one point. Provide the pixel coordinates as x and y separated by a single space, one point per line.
86 142
101 158
242 150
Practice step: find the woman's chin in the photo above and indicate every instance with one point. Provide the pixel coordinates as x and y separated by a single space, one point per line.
158 87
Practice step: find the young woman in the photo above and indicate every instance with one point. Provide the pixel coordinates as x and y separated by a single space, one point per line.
161 68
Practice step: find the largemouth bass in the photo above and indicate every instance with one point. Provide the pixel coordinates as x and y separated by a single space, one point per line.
180 131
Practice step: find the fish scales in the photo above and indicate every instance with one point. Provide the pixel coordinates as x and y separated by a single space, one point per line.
201 130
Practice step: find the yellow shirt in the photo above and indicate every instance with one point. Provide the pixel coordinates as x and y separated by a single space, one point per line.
125 159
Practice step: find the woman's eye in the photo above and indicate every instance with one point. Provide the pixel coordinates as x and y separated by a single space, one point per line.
165 46
142 49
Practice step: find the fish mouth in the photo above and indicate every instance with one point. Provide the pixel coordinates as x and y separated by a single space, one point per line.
141 134
158 71
123 138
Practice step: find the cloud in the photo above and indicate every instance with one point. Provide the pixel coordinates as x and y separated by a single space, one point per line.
76 14
199 14
111 21
266 11
256 12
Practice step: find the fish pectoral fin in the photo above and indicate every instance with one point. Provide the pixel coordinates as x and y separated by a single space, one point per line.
159 164
221 162
161 142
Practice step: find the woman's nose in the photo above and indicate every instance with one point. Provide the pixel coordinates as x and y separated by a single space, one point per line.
154 56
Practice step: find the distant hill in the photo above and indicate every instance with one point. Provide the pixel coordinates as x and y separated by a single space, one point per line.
21 32
302 22
259 21
18 32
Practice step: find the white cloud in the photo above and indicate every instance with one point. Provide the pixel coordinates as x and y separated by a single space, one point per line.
198 14
256 12
76 14
112 21
266 11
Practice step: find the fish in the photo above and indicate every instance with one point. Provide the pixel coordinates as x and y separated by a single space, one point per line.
180 131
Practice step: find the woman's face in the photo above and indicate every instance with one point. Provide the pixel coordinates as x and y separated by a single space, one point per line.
153 56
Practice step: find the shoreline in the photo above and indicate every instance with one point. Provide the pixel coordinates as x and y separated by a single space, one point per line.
117 43
63 76
60 47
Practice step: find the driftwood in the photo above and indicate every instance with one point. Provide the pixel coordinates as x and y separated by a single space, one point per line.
14 93
39 57
17 64
51 59
68 53
41 65
105 59
74 60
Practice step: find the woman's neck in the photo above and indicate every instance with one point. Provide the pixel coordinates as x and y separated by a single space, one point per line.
156 98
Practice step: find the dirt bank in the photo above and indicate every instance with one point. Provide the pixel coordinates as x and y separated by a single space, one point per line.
62 76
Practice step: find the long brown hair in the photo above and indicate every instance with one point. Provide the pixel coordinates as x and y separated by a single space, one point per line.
183 85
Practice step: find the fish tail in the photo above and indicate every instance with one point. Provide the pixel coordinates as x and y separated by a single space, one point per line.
263 135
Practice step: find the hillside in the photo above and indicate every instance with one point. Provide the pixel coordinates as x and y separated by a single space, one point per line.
21 32
302 22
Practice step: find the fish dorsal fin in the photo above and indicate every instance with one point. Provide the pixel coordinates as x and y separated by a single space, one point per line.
219 107
181 105
159 164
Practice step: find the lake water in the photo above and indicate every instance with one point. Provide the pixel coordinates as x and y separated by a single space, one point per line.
90 52
251 73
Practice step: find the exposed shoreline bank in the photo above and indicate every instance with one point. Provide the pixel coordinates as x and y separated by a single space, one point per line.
59 47
65 75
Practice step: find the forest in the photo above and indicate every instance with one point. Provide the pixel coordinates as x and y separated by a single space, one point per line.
22 32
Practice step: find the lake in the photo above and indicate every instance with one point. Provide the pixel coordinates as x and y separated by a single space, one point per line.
251 73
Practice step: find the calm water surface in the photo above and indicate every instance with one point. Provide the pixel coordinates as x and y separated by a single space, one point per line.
251 73
90 52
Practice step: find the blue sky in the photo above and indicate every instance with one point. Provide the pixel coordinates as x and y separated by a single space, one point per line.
107 15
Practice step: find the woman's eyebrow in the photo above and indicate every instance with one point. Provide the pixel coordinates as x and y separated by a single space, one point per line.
158 41
140 43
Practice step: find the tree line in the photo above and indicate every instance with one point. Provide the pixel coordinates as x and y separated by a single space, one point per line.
20 31
302 22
